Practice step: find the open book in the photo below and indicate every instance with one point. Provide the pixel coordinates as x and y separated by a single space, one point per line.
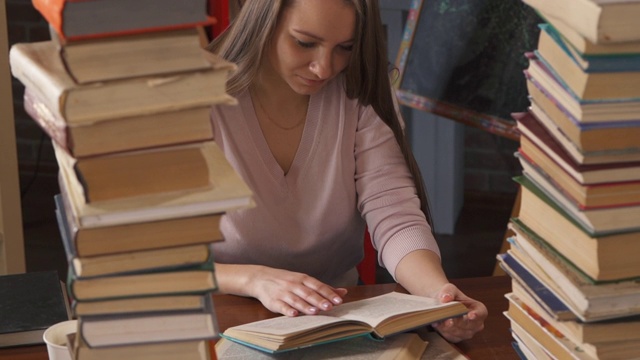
378 317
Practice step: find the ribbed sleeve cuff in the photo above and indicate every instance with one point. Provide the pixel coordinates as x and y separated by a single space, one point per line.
404 242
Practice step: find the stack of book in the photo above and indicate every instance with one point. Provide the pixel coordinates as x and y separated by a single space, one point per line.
124 91
574 256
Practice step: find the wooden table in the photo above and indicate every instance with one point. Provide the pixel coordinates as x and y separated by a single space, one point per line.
494 342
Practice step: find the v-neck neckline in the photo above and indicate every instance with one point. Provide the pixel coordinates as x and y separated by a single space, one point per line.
263 149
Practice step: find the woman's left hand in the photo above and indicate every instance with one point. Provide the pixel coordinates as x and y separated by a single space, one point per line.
462 327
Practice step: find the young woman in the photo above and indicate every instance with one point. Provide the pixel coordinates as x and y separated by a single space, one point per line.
317 136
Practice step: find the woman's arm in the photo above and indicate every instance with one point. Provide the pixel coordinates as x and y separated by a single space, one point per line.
421 273
286 292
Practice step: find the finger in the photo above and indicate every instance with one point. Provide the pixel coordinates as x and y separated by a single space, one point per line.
301 304
321 295
283 308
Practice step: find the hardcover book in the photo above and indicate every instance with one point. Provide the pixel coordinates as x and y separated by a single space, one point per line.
600 21
402 346
592 85
146 328
603 257
141 305
121 134
30 303
119 239
590 300
152 53
586 47
169 169
613 138
557 340
227 192
584 110
553 48
598 220
601 195
190 280
81 19
39 67
169 350
522 278
540 146
401 312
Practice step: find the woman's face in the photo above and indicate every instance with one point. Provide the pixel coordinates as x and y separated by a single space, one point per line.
312 43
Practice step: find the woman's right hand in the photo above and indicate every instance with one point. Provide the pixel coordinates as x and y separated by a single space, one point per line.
281 291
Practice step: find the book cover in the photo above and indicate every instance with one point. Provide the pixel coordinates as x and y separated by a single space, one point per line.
121 134
593 85
553 344
622 346
227 192
119 239
591 300
169 350
592 140
166 169
538 144
402 312
538 290
602 257
25 314
146 54
39 67
196 279
588 196
81 19
592 137
601 220
552 45
584 46
600 21
141 305
586 110
402 346
133 329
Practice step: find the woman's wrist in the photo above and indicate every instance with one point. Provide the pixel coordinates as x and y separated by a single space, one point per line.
236 279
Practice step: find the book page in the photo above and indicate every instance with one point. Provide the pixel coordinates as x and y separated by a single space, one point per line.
284 325
401 346
375 310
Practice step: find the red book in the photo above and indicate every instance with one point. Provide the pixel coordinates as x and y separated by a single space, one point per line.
537 140
540 153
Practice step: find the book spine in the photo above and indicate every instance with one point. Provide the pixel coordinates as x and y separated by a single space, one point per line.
54 126
51 10
50 83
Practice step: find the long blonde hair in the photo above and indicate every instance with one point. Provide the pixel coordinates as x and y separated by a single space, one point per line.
366 76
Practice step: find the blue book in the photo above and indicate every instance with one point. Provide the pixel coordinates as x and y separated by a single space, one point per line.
541 293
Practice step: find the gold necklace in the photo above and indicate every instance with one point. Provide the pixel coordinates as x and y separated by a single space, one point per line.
286 128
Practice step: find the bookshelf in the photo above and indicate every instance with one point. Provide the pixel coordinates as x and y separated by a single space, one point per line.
11 238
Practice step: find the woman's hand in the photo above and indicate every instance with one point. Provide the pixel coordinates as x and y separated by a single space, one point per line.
464 327
281 291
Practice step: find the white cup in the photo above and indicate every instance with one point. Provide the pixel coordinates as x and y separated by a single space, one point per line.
56 339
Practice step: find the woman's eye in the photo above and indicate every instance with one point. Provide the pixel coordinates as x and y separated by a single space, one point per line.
304 44
346 47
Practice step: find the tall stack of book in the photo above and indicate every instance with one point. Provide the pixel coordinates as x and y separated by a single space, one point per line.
124 90
574 256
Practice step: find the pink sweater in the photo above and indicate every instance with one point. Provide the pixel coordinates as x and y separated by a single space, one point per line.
348 167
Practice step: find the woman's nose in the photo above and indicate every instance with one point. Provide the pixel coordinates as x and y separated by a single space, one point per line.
322 65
